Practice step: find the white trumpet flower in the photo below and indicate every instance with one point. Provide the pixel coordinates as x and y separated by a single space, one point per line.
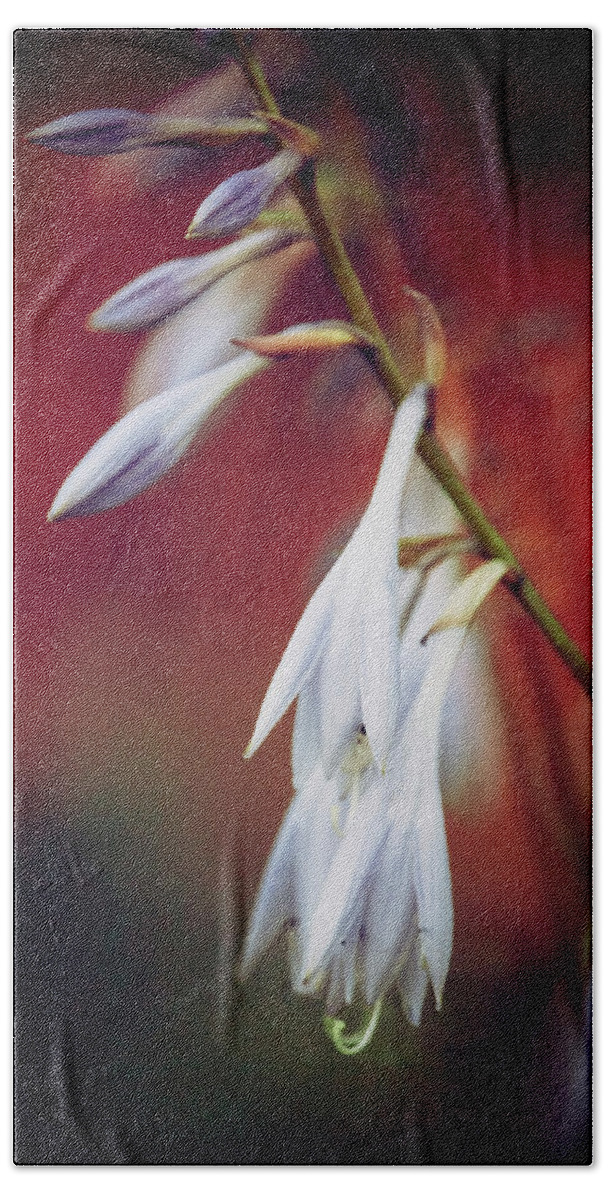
148 441
347 641
165 289
359 874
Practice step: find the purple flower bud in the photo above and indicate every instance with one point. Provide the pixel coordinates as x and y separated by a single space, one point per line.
146 443
240 199
96 131
165 289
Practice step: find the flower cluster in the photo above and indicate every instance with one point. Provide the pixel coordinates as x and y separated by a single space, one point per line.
141 447
358 880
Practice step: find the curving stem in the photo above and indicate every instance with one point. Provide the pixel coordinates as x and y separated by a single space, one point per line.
429 449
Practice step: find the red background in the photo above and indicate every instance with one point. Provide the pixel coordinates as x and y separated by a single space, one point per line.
146 636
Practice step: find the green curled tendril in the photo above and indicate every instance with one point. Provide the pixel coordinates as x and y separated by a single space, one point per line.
352 1043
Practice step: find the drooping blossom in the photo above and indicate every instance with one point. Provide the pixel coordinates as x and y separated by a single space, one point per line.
347 640
148 441
358 879
165 289
239 199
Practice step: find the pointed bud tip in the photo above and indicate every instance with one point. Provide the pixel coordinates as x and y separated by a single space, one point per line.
427 550
56 511
468 596
249 750
312 337
433 344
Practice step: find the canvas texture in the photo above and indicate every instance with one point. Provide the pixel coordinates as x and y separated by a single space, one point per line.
302 840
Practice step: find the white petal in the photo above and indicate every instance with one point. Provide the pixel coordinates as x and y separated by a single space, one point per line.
305 646
421 774
413 983
374 556
339 694
146 443
318 843
382 514
342 892
471 722
425 508
306 738
389 916
336 989
422 599
348 953
162 291
378 664
294 875
275 905
433 885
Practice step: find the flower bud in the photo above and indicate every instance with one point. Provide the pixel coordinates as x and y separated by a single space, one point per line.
468 596
426 550
432 337
165 289
240 198
304 339
96 131
146 443
101 131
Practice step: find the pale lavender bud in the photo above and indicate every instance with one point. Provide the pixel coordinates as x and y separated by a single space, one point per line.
240 199
160 292
96 131
116 130
146 443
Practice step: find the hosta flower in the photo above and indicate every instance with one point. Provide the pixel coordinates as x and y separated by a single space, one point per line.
240 198
347 641
166 288
359 876
148 441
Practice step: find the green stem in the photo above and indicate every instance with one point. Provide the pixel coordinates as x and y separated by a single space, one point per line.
431 452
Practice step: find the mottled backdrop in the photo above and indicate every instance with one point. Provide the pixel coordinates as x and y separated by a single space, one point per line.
146 636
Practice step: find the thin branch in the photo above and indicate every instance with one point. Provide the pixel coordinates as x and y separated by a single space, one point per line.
429 449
